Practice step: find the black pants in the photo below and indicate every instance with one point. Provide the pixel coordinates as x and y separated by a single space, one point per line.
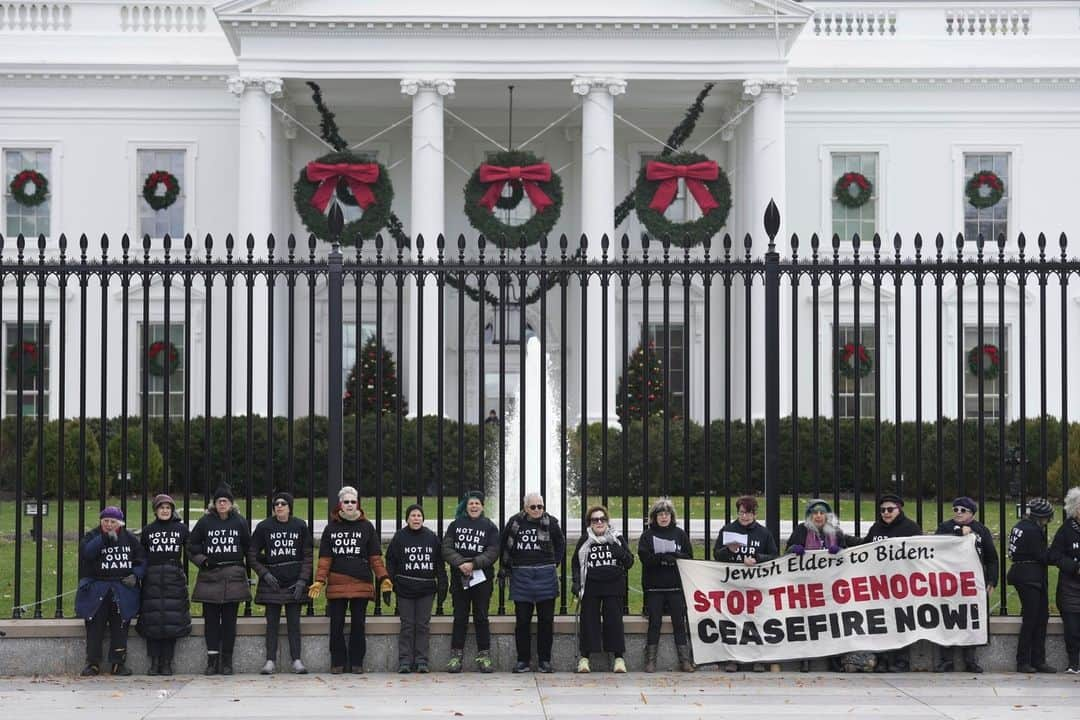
292 622
1034 614
477 598
660 603
220 627
349 655
601 625
415 634
107 616
545 629
1071 621
163 648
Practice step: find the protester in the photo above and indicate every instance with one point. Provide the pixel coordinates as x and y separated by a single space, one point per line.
1065 554
601 559
963 522
218 546
755 544
470 547
165 615
350 566
414 562
281 555
659 547
1028 574
532 547
892 523
111 563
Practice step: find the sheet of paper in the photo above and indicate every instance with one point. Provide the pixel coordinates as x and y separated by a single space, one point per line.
660 545
734 538
478 577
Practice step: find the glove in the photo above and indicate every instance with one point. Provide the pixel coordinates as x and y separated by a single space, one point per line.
575 588
316 589
504 574
130 581
440 593
299 590
833 549
797 549
209 563
270 580
387 586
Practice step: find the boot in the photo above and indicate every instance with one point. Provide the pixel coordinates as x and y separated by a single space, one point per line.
166 667
969 661
213 664
650 658
685 663
226 664
155 665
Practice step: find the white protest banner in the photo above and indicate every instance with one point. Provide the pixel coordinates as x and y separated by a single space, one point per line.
880 596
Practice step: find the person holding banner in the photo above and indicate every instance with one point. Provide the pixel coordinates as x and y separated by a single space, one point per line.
1065 553
745 541
601 560
1028 574
660 547
963 522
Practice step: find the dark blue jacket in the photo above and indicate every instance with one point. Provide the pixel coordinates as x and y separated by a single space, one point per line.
103 563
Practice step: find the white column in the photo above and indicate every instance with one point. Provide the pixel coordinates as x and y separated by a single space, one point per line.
597 220
427 218
255 216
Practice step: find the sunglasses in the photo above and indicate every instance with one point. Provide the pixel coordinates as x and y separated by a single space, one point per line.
960 510
597 519
536 507
889 508
349 502
281 503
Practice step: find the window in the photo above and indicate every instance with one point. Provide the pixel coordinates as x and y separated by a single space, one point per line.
155 398
491 394
991 403
676 212
518 215
18 218
845 391
994 220
351 344
35 351
170 220
846 221
676 387
352 212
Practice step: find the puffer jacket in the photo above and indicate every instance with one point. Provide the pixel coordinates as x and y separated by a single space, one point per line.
350 558
165 609
218 547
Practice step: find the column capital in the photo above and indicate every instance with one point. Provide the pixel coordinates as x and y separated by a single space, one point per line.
238 85
583 85
412 86
754 87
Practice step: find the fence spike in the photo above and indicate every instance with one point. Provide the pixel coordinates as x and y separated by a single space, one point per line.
584 243
440 243
564 243
836 243
63 245
959 242
1063 243
41 246
772 220
856 241
461 242
795 243
1041 242
897 243
815 243
727 243
104 244
1021 243
188 245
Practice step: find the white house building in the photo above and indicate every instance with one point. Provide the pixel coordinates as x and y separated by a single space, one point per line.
915 96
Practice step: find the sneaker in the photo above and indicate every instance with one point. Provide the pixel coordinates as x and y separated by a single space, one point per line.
454 666
120 670
484 663
1046 669
298 667
521 666
583 665
619 666
404 668
267 668
422 668
1071 670
758 667
92 669
545 666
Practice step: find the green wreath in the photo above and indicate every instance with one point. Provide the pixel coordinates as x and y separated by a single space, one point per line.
162 358
854 358
150 188
985 179
685 234
976 357
18 188
498 232
858 182
375 217
30 355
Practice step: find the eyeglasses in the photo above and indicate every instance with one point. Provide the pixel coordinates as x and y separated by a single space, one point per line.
280 503
597 519
961 510
536 507
349 502
747 512
889 508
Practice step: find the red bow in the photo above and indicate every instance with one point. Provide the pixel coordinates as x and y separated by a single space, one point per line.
529 175
850 350
694 174
359 177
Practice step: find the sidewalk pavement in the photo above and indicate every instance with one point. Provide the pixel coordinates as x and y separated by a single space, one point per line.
706 694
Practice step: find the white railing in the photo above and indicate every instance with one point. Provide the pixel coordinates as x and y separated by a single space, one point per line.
173 18
35 17
855 23
992 22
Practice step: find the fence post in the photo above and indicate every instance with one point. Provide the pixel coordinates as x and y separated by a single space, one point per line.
772 373
335 281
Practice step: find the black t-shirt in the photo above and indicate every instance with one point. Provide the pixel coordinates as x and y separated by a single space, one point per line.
103 558
902 526
275 542
349 544
164 541
220 541
523 542
605 566
984 545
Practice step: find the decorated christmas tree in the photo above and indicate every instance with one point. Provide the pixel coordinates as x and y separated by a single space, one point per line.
643 382
360 391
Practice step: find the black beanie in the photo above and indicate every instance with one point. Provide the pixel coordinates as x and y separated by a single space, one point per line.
223 491
282 495
414 506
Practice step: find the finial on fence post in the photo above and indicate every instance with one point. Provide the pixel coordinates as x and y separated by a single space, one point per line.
772 223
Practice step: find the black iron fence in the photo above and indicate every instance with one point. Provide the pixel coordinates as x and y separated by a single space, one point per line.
701 373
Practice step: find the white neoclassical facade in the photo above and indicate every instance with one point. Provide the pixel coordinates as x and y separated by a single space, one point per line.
914 95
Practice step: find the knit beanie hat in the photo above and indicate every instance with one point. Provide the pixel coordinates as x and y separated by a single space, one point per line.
282 495
894 499
460 511
162 499
817 504
965 502
113 513
414 506
223 491
1040 508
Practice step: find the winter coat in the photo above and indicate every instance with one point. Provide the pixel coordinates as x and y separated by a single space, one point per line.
471 540
1027 550
603 570
103 563
218 548
761 545
414 561
350 558
659 571
901 527
283 549
984 545
1065 554
817 541
165 609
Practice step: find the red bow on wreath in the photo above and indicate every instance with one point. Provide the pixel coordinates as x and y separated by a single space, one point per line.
694 174
528 175
850 349
358 177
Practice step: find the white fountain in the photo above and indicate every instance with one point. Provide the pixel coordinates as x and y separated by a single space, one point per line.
537 370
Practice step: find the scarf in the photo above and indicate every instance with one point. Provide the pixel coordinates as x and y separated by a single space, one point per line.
591 539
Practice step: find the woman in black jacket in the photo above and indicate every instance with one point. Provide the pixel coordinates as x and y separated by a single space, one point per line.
601 560
281 555
165 615
414 562
218 546
1065 554
659 547
1028 574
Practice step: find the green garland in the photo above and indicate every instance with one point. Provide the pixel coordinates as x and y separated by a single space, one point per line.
988 179
371 222
162 358
492 299
498 232
842 190
685 234
18 188
150 185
